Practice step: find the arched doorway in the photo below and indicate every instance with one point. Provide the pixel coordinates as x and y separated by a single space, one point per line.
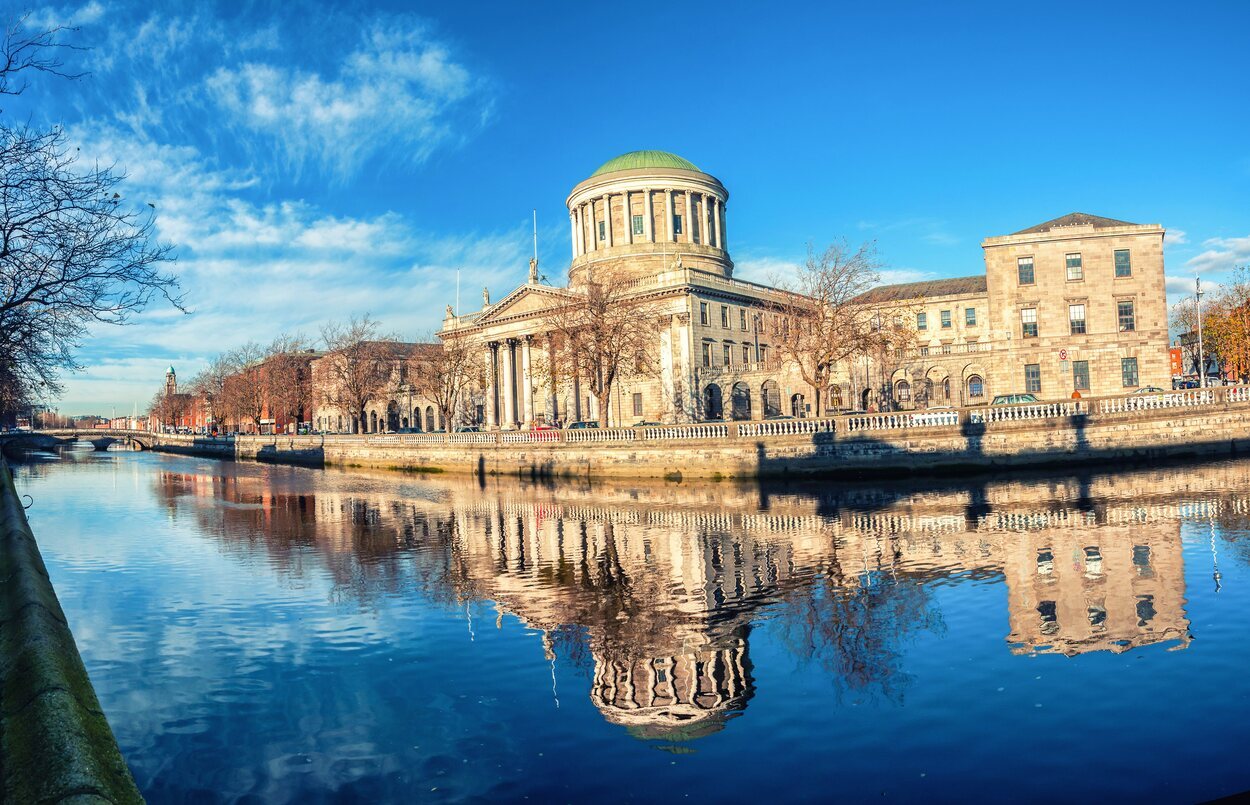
740 401
863 399
373 421
392 416
798 405
429 418
416 418
770 396
713 408
902 392
834 399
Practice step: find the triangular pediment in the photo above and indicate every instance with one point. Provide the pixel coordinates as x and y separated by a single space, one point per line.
528 299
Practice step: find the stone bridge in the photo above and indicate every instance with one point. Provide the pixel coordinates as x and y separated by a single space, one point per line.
100 438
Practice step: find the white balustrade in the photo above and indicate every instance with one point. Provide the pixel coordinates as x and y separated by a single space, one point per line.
785 427
601 434
1011 413
901 419
1146 402
714 430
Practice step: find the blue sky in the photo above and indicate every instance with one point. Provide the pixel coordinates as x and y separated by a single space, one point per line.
311 161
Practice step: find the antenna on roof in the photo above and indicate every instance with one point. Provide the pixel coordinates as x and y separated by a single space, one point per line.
535 236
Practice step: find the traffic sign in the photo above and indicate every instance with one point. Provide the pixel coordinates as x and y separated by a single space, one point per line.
1063 354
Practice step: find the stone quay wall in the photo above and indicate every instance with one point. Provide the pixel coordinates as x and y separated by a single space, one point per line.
1190 423
55 742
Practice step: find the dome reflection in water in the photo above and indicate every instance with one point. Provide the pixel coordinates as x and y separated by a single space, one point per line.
296 634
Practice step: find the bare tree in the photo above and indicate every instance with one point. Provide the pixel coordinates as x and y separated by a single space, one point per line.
358 367
244 389
288 377
602 334
447 374
73 251
818 322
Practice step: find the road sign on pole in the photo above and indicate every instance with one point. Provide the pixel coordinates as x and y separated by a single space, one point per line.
1063 355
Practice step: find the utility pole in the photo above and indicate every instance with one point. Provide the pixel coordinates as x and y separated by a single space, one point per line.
1202 364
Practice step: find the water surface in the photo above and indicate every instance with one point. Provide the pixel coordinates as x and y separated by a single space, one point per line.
262 633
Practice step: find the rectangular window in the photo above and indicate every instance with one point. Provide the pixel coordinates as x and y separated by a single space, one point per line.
1024 270
1123 265
726 356
707 354
637 404
724 316
1033 378
1076 271
1128 371
1124 312
742 318
603 230
946 319
970 316
637 224
1028 322
676 224
746 354
922 321
703 313
1076 319
1080 375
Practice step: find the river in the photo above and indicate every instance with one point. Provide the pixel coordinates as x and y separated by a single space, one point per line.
277 634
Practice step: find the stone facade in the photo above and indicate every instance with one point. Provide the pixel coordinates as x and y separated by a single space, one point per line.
660 221
1076 304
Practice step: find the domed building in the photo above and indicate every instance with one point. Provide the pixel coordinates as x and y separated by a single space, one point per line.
657 224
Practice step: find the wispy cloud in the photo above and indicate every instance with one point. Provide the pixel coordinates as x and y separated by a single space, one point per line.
932 231
1175 237
1222 254
399 93
253 270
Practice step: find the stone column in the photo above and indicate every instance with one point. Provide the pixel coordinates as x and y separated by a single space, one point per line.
573 232
689 219
707 220
716 222
581 231
527 386
626 219
492 372
509 384
607 220
648 222
668 212
683 370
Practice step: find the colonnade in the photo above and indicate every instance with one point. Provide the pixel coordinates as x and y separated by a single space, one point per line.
510 386
584 219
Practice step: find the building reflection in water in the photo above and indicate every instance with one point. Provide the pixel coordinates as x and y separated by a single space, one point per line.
654 589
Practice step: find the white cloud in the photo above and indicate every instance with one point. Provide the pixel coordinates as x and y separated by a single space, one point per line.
894 276
1175 237
766 270
252 271
399 95
1222 254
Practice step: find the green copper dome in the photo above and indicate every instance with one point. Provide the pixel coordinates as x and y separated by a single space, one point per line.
645 159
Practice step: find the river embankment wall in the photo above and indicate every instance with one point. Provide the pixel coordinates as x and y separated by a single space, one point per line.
55 743
965 440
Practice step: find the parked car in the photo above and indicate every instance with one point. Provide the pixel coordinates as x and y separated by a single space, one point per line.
1014 399
545 426
645 424
468 429
1149 390
777 417
581 425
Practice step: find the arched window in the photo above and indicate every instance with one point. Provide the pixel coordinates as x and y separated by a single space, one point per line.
798 405
740 401
429 418
835 396
392 416
946 389
712 406
902 391
373 421
770 396
976 387
416 418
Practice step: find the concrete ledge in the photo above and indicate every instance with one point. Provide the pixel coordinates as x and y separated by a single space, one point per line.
55 743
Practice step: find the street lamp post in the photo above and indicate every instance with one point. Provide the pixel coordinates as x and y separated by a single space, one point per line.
1202 364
